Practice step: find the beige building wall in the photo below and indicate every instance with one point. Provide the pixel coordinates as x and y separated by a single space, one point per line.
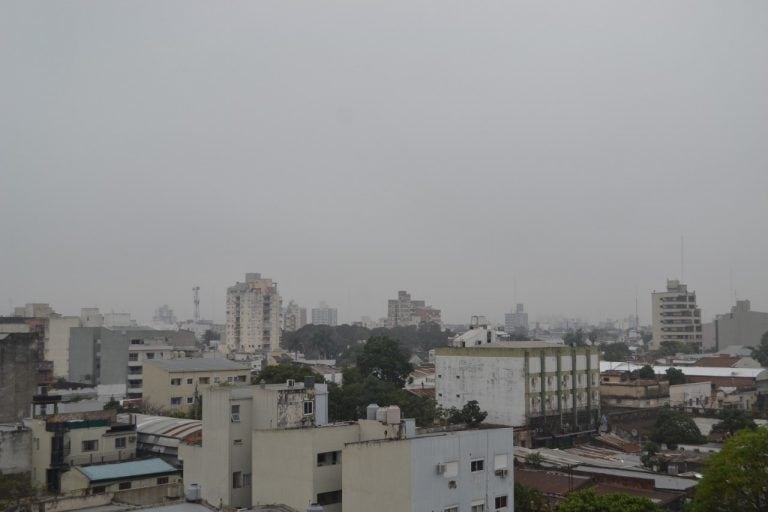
175 390
74 480
57 343
675 315
366 466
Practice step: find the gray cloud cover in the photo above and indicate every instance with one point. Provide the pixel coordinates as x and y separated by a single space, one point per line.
351 149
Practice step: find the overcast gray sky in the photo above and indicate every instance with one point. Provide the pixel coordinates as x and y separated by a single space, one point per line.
352 149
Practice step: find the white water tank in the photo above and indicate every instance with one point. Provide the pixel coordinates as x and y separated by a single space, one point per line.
381 414
393 415
370 411
193 493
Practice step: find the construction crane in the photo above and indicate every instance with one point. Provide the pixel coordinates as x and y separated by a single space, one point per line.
196 291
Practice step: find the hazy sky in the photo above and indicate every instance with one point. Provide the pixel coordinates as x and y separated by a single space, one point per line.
352 149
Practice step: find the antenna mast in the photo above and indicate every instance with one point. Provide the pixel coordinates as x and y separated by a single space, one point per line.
196 292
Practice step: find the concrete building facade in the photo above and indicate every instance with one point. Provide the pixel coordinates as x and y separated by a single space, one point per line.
230 416
554 389
517 321
253 315
741 326
324 315
404 311
466 470
20 358
676 318
294 317
174 384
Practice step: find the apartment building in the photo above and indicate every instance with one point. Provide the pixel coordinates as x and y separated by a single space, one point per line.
230 417
554 389
516 321
740 327
676 318
294 317
253 315
441 470
404 311
324 315
62 441
20 357
174 384
146 481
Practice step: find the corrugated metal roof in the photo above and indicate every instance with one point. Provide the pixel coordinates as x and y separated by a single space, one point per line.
126 470
178 428
694 371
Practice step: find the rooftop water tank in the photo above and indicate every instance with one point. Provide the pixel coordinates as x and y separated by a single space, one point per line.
194 493
370 411
393 415
381 414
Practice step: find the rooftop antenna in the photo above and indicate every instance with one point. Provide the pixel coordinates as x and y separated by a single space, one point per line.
682 259
196 292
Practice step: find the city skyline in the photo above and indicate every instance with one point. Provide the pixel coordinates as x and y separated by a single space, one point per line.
463 155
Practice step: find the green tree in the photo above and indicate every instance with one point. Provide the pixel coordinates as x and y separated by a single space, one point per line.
761 351
646 372
616 351
736 477
733 420
676 376
529 500
575 338
469 415
16 493
383 358
588 501
675 427
670 348
280 373
112 404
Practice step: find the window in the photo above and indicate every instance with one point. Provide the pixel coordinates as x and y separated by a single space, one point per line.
235 409
247 480
329 498
216 380
328 458
451 509
477 465
124 485
237 442
175 400
150 355
189 381
190 399
162 480
241 378
99 489
237 480
90 446
119 442
175 382
230 379
133 356
204 380
308 407
137 342
500 503
452 484
478 507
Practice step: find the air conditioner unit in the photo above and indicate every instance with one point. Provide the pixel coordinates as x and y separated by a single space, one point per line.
235 418
440 469
501 472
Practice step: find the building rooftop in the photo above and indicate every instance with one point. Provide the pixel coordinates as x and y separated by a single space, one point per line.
197 364
693 371
124 470
179 428
550 482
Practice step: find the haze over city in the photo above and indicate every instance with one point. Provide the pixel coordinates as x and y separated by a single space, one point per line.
460 152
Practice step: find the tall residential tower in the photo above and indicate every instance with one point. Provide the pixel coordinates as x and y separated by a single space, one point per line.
253 315
676 318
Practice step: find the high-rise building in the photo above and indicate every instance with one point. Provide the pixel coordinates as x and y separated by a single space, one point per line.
517 321
741 326
676 318
253 315
324 315
294 317
164 316
404 312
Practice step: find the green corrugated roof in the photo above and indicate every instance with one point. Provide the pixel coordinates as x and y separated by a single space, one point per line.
126 470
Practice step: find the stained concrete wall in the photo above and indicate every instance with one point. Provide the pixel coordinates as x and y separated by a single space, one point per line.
19 358
15 450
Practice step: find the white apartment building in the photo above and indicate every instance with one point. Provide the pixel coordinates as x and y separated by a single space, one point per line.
446 471
253 315
294 317
223 463
324 315
676 317
554 389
